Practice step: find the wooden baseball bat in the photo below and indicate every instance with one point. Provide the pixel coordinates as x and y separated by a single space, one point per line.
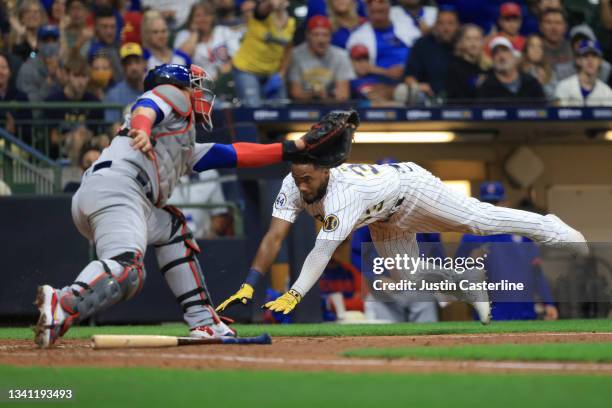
112 341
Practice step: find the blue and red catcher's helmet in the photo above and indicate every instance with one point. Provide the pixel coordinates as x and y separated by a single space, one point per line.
191 77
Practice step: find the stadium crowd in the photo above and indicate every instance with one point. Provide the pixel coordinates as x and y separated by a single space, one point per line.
375 52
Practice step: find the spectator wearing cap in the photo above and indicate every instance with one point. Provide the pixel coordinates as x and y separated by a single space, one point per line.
128 90
25 28
510 257
388 44
319 71
536 65
155 42
39 76
509 24
577 35
427 65
105 39
506 84
468 67
366 86
585 88
420 18
72 126
261 62
553 26
344 20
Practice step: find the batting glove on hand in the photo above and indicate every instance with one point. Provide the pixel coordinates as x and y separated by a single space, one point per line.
244 295
286 303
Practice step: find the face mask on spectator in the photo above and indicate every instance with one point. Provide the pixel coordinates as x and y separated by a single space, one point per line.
101 77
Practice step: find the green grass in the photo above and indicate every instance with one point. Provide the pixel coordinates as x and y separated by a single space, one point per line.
315 330
138 387
591 352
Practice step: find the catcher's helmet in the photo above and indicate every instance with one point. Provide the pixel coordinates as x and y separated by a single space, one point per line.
187 77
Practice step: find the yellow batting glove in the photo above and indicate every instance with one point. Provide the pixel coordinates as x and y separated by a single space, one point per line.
244 295
285 303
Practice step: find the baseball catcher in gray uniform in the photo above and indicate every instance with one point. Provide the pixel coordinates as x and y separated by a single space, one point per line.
121 202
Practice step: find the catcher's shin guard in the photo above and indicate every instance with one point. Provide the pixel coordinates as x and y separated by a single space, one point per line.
102 284
179 264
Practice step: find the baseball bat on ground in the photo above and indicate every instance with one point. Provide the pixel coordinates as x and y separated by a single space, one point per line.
110 341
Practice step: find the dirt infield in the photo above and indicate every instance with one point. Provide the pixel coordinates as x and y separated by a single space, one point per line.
303 354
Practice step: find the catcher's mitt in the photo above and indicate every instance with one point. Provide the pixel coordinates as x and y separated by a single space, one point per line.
328 142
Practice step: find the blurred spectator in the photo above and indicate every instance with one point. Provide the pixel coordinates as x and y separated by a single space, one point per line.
209 46
514 258
421 19
101 75
39 76
344 19
126 91
8 92
105 40
386 43
132 23
203 188
69 127
557 49
76 33
578 34
427 65
319 71
174 11
30 17
468 66
343 279
531 20
506 83
585 88
228 16
57 13
509 24
88 155
155 42
536 65
263 58
366 86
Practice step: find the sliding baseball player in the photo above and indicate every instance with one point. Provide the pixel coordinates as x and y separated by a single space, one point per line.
395 201
121 204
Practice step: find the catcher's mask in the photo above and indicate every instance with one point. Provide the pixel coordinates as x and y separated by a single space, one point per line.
202 96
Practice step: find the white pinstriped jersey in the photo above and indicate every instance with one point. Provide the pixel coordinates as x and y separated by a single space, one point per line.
357 195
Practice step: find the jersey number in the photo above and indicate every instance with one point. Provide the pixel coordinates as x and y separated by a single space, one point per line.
363 170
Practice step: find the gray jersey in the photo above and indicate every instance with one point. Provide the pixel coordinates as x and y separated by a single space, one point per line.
173 138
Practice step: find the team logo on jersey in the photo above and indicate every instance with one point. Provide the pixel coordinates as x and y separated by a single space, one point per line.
330 223
281 200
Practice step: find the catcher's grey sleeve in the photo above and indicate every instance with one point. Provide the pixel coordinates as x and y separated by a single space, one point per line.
314 264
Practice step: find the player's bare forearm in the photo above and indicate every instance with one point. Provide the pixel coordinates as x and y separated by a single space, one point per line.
270 245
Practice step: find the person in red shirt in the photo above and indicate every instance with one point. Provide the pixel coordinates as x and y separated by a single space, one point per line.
509 24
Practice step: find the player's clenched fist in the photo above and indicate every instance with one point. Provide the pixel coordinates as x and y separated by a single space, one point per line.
285 303
244 295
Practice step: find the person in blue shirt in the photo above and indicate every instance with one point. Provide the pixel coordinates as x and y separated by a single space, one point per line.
514 258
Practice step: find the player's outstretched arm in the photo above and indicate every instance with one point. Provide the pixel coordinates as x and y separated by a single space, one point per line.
266 254
313 267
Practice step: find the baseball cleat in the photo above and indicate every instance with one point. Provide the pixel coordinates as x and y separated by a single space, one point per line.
50 325
212 331
483 309
569 238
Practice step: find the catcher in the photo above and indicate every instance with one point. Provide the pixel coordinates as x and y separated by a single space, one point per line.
395 201
121 202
